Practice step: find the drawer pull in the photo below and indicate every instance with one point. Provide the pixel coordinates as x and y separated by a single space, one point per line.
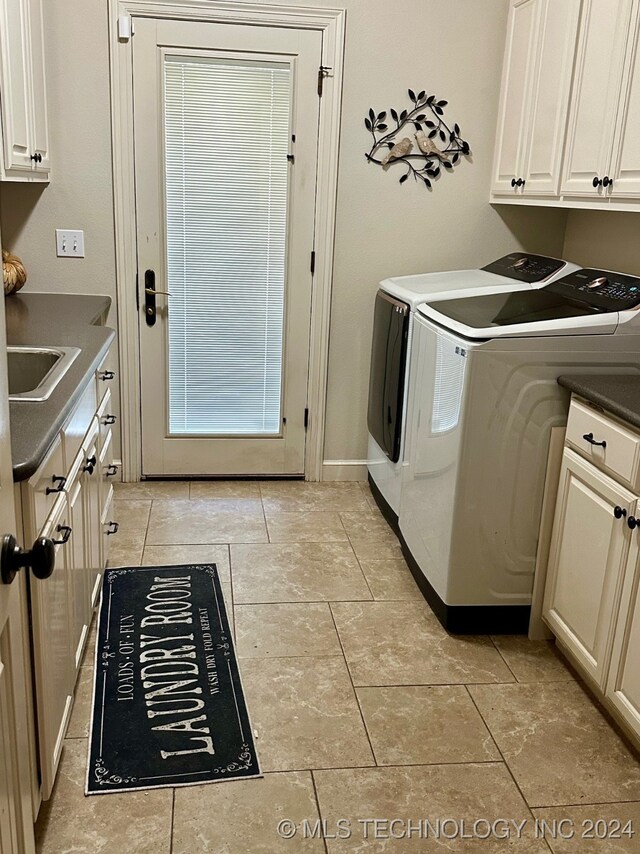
112 470
105 376
112 528
109 419
632 522
619 512
61 481
588 437
91 464
65 530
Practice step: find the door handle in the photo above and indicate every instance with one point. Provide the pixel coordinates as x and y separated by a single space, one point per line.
155 293
41 558
150 297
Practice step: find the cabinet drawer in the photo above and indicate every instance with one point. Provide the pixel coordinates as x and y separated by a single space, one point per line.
76 427
41 490
105 377
604 442
106 418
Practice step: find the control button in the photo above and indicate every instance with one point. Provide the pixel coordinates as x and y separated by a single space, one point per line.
598 283
521 264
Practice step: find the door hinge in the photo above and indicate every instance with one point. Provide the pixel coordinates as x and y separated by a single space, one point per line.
312 265
306 418
323 72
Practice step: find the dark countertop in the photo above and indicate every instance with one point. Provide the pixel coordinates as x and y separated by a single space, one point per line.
619 394
50 320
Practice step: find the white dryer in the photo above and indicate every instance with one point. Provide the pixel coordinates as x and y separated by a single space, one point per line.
484 398
395 304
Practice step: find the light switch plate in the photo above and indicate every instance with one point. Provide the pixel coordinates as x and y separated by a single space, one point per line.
70 244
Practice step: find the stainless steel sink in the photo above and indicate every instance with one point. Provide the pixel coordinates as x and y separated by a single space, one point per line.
34 372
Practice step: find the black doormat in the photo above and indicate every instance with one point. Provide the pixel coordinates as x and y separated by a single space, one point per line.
168 705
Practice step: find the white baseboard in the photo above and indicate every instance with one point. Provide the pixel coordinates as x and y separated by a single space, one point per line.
344 470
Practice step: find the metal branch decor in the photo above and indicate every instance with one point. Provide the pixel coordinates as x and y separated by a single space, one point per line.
391 147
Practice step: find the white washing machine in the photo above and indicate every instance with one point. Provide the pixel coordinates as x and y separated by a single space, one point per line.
483 400
395 305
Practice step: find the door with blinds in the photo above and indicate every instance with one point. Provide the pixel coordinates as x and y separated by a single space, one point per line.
226 130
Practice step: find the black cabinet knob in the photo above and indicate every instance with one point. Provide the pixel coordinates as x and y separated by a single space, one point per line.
91 464
105 376
514 183
109 419
597 182
36 158
632 522
619 512
607 181
41 558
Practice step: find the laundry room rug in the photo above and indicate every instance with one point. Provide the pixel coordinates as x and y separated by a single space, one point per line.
168 704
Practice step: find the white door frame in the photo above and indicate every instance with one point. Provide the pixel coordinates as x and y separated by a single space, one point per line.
331 22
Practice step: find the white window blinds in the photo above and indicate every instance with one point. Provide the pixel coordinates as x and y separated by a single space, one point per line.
227 126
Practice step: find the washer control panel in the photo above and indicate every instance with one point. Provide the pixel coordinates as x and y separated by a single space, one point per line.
601 289
525 268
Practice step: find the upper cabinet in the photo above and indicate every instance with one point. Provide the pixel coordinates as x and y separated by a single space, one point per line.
536 83
23 107
569 123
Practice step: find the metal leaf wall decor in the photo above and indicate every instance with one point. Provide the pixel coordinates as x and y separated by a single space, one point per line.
439 147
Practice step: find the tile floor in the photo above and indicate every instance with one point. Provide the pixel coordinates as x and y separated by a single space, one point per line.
364 707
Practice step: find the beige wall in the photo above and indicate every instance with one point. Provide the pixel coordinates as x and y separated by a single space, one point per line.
453 49
606 239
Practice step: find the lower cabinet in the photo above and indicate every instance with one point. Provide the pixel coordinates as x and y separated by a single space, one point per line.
65 500
592 598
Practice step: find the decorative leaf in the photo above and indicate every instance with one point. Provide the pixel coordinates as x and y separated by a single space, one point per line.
433 133
443 136
372 115
417 125
455 158
412 95
403 115
456 129
431 99
438 110
421 117
430 124
465 147
442 103
394 115
381 127
390 145
421 95
404 178
367 124
447 165
427 182
382 116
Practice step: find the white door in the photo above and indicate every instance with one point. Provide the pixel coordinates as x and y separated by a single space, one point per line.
626 165
589 547
596 96
16 94
16 816
226 121
514 115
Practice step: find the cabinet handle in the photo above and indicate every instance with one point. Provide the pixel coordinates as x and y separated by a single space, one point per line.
37 158
112 528
62 482
112 470
598 182
65 530
91 464
588 437
607 181
109 419
514 183
619 512
105 376
632 522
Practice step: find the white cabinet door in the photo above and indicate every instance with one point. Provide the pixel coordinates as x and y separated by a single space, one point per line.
625 170
589 547
598 77
15 103
551 86
23 107
514 110
40 126
623 686
53 649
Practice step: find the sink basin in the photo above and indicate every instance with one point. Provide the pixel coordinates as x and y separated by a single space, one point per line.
34 372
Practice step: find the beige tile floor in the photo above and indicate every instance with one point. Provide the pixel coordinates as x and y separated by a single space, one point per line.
364 707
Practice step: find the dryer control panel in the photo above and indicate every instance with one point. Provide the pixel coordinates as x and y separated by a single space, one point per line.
525 268
601 289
